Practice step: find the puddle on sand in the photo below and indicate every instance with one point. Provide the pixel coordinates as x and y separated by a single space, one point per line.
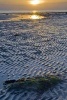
18 17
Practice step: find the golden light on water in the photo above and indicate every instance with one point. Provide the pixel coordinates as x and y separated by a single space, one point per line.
33 16
20 17
36 17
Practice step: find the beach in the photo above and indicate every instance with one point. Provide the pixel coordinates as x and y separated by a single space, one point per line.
33 45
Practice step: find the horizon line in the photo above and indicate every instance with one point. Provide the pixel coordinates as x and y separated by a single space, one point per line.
25 11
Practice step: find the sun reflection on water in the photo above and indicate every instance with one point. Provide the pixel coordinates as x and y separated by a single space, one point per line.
36 16
32 16
19 17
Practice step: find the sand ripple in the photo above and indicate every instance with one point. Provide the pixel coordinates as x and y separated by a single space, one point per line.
34 48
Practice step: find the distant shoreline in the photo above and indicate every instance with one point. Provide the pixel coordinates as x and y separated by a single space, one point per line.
42 11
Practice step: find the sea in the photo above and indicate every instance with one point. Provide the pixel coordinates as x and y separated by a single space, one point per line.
33 44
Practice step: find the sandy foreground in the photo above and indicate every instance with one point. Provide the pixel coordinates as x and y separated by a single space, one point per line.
30 47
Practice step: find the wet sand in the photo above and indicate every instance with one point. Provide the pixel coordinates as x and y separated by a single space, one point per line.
33 47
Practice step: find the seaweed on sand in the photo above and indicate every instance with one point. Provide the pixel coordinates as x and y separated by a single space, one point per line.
38 84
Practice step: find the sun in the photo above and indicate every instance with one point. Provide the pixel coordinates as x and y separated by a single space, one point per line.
35 2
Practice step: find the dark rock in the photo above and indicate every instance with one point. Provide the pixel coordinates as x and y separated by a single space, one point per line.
16 34
9 81
20 80
38 84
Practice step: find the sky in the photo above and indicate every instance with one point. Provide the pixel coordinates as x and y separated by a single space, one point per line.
26 5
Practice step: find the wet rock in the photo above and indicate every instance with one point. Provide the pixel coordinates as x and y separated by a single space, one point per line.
16 34
9 81
38 84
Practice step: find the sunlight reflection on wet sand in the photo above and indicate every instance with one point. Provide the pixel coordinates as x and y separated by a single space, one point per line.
21 17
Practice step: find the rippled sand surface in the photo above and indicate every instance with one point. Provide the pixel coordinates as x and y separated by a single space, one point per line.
33 46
